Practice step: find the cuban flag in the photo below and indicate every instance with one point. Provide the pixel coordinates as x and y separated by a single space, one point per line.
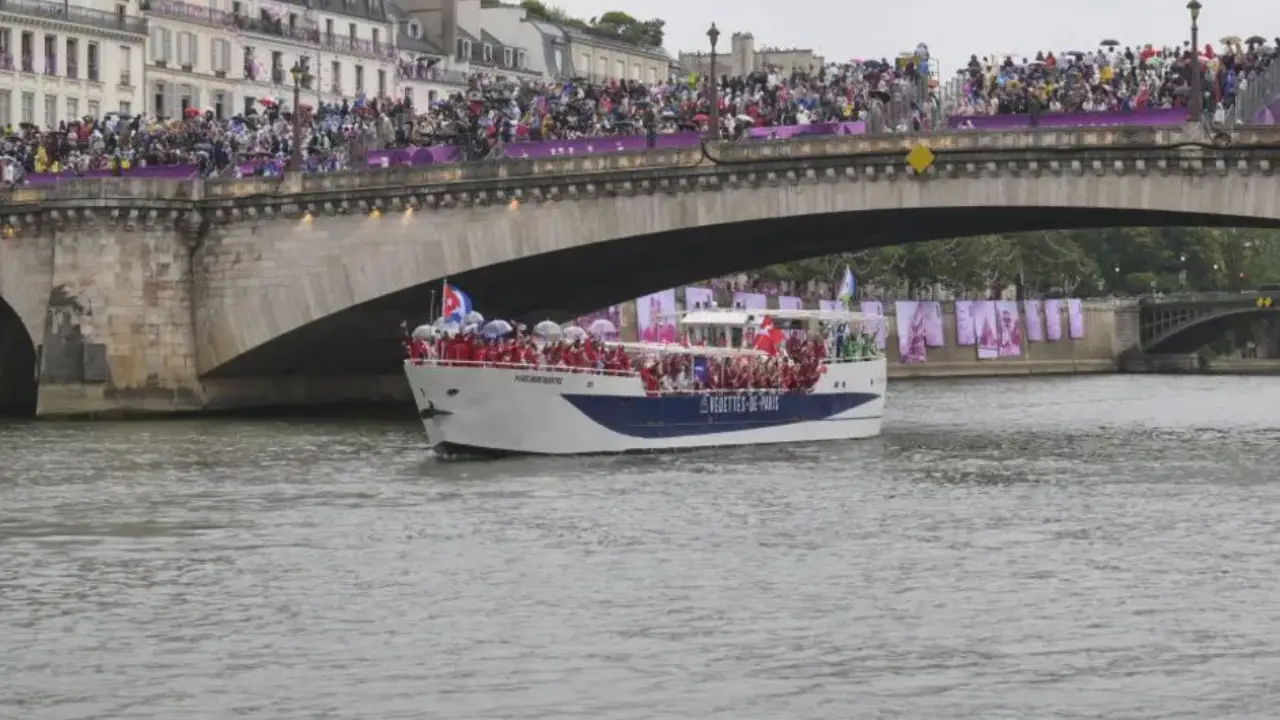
456 304
847 287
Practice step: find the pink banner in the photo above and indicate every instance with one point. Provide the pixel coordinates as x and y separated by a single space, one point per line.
787 302
1075 318
1053 320
933 324
911 318
1010 329
985 329
655 317
830 305
1035 320
695 297
750 301
964 323
613 314
874 309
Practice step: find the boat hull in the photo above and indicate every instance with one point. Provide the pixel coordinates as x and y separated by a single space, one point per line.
518 410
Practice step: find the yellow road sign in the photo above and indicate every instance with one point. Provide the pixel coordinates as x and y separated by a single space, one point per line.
920 158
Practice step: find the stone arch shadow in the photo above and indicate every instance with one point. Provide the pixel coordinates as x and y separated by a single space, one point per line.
18 382
1193 335
363 339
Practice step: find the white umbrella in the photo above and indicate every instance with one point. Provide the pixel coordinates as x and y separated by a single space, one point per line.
573 333
474 318
602 327
497 328
424 332
546 329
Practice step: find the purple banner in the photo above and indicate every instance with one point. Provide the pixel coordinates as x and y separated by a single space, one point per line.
964 323
933 336
1075 319
1140 118
986 329
599 145
1010 331
698 297
1052 320
1035 320
784 132
873 312
911 317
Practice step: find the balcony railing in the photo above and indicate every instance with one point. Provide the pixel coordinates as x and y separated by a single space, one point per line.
411 71
51 66
28 64
73 70
6 62
277 75
76 14
93 73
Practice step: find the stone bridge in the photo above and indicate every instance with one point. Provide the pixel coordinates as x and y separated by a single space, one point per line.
156 296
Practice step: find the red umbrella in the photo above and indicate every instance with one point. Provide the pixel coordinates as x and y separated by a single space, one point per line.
191 112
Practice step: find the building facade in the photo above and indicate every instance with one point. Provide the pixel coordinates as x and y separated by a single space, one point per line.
742 58
601 59
62 61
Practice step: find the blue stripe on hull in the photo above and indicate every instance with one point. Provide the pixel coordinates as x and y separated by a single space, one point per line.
684 415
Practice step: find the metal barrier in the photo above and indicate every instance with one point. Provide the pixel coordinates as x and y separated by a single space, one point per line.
1262 90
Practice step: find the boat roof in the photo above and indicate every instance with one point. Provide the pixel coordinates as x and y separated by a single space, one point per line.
699 350
738 317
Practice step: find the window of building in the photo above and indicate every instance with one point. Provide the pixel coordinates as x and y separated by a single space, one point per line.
488 53
653 75
408 96
508 57
93 69
51 111
415 30
126 107
126 62
73 60
621 66
51 56
359 79
431 97
382 83
635 72
221 57
335 72
328 29
520 60
157 94
249 105
375 38
28 47
602 67
351 32
28 107
219 105
161 48
186 99
6 99
73 108
94 109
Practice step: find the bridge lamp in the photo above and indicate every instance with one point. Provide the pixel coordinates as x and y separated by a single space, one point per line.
714 131
295 158
1195 108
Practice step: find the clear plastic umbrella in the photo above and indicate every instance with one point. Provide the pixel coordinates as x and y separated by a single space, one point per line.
474 318
573 333
497 328
546 329
602 328
424 332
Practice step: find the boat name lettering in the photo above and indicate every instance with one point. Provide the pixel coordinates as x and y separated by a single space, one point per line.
539 379
741 403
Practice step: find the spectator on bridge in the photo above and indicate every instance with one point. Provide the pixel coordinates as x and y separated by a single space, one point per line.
1108 79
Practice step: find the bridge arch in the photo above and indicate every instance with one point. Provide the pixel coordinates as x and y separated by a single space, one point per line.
326 296
18 383
1204 329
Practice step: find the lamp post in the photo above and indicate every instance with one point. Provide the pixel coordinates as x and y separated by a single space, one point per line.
295 160
1195 108
713 34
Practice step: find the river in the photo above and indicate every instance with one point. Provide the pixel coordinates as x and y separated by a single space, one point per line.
1094 547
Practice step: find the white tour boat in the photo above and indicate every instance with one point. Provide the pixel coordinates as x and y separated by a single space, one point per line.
488 408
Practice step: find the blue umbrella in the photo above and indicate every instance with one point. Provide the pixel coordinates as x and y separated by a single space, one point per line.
497 328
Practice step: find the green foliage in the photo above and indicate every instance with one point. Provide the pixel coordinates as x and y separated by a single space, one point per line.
614 24
1082 263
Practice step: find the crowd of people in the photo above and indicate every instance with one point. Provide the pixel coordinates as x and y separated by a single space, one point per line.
480 121
1109 79
794 367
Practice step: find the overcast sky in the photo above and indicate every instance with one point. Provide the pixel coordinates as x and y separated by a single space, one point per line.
842 29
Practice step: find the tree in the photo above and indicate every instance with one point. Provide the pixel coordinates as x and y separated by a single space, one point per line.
613 24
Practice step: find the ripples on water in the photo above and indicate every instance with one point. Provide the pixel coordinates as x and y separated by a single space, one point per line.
1093 547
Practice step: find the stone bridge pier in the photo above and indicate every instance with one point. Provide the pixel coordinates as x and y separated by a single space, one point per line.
126 295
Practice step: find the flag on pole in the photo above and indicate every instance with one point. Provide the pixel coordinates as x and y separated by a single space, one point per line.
455 304
847 288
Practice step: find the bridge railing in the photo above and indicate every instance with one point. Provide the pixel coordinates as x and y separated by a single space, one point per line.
1262 89
974 143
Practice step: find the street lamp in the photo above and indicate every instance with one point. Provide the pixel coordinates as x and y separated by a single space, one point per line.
713 35
1195 108
299 73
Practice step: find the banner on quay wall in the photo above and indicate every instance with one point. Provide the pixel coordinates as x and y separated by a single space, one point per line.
698 297
1010 328
1075 318
830 305
873 310
613 314
985 329
789 302
1035 320
750 301
911 317
933 336
964 323
655 317
1052 320
1117 118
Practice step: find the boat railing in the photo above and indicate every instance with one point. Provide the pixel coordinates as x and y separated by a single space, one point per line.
523 366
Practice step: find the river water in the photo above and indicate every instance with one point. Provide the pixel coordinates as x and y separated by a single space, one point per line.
1098 547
